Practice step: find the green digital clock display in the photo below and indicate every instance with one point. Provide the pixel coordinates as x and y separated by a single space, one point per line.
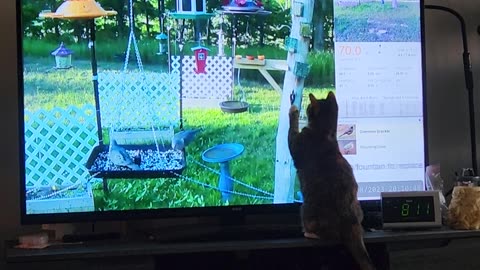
408 209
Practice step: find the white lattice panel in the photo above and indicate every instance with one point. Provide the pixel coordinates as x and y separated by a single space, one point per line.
58 143
217 83
135 99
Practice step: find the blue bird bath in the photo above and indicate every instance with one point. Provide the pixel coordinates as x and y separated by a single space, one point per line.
222 154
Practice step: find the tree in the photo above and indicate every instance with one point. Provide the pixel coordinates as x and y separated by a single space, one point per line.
121 7
323 10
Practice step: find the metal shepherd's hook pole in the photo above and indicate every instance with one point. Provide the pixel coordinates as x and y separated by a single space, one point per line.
467 68
91 45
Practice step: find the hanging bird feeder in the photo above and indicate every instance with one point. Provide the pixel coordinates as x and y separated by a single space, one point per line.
243 6
162 43
191 6
78 9
201 54
63 57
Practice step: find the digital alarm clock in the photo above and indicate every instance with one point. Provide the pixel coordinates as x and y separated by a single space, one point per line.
411 209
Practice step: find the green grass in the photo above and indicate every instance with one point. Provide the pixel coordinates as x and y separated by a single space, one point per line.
47 88
376 22
109 54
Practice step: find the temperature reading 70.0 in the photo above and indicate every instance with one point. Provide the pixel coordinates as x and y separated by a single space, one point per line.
350 50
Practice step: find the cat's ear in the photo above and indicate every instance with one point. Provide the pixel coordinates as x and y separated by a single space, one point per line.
313 99
331 96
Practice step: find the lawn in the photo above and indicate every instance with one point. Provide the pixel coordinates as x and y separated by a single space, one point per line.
47 88
377 22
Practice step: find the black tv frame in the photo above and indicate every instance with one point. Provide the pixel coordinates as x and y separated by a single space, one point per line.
235 213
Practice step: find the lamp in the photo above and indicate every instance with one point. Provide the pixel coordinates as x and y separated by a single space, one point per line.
467 68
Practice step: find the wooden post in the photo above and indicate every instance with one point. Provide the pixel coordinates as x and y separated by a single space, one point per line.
284 170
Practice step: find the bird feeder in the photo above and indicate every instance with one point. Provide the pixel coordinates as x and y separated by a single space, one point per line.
63 57
162 43
78 9
291 44
201 54
191 6
301 70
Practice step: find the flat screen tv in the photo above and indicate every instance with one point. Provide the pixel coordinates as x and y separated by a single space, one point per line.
137 109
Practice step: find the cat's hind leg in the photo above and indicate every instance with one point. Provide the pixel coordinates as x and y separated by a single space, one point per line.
353 240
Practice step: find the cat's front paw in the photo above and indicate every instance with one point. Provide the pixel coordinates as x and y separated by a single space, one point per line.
293 113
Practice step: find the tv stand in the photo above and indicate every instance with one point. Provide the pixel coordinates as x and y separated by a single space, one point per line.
280 253
87 237
224 232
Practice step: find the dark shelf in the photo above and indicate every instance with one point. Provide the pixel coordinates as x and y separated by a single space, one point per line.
120 248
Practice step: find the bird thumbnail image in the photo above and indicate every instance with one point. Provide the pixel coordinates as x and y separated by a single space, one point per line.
347 147
183 138
346 131
119 156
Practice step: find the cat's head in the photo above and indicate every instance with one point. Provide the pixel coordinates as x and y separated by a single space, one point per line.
323 113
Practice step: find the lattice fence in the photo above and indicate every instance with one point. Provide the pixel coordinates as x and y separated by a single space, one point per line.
217 83
57 145
135 99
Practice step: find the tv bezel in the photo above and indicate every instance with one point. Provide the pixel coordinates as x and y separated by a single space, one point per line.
237 210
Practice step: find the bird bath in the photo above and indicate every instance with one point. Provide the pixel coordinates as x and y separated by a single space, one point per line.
222 154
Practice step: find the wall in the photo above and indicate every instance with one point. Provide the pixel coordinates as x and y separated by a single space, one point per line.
447 101
449 139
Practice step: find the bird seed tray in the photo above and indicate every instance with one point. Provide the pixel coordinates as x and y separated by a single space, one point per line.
164 163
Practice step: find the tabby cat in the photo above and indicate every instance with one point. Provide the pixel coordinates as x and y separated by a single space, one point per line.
330 210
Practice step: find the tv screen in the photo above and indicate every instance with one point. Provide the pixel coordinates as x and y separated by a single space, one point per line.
160 107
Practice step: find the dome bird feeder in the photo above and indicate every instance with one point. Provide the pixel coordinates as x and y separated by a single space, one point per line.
78 9
162 43
63 57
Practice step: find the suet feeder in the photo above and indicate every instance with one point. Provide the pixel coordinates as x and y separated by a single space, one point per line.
301 70
191 6
162 43
63 57
306 30
291 44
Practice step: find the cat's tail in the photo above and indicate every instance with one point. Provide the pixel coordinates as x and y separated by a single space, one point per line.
354 243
